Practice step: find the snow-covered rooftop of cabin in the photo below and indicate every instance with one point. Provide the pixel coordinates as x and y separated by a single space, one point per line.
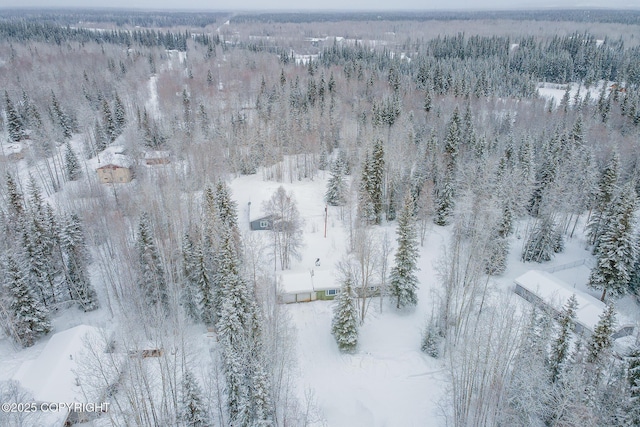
555 293
295 282
51 377
113 155
13 148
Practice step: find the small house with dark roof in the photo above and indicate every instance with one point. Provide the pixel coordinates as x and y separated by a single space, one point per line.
262 223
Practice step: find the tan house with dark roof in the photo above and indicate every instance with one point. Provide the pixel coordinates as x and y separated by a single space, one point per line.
111 173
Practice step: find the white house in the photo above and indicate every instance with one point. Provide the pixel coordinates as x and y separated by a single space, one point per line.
52 377
311 285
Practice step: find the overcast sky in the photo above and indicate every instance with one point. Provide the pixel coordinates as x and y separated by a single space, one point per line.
322 4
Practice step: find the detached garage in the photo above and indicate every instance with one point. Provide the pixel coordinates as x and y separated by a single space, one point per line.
545 290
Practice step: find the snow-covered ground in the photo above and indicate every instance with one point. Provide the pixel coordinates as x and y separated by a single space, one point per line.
388 381
555 91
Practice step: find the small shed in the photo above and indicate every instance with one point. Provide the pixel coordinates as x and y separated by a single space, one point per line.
113 173
545 290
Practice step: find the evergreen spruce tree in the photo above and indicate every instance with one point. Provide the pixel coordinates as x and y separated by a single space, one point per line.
75 258
190 285
497 252
375 180
109 122
432 339
260 394
71 164
14 123
41 240
28 319
239 329
366 209
445 194
63 119
151 277
601 340
616 252
445 203
541 242
633 376
15 205
193 409
119 115
607 186
226 207
335 195
559 353
344 325
100 137
404 283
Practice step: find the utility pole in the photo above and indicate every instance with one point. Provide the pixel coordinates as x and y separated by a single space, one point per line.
325 221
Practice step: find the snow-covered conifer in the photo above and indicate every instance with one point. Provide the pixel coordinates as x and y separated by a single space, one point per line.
601 340
151 276
633 376
344 325
14 123
542 241
190 285
71 164
559 353
75 259
445 201
27 318
193 411
404 283
119 115
335 195
432 339
616 251
607 186
63 119
109 122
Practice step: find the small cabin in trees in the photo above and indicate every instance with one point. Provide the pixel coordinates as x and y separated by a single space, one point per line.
312 285
113 173
548 292
262 223
12 152
152 158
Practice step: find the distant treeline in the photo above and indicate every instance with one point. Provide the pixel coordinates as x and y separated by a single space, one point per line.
121 18
167 19
47 32
631 17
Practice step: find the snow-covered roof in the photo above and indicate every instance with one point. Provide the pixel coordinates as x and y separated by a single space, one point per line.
158 154
50 377
13 148
307 281
555 293
115 155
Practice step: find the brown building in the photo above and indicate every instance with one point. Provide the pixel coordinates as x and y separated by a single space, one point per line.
156 158
111 173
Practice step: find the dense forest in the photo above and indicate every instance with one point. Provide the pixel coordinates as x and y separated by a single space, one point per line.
414 130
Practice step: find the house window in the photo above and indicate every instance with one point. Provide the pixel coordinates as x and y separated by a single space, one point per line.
331 292
264 224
